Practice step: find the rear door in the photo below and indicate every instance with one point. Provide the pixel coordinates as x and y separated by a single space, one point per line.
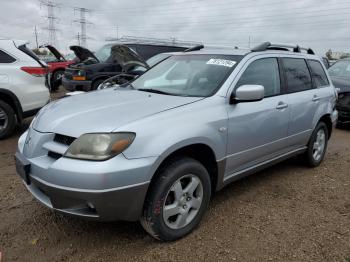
257 130
303 100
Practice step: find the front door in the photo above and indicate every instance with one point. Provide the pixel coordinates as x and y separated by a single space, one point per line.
257 130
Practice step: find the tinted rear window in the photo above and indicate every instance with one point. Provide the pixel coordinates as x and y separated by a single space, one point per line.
318 74
297 75
6 58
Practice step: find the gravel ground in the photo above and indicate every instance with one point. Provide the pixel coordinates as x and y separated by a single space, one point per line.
285 213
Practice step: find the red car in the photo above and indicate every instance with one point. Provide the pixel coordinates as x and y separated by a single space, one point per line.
57 67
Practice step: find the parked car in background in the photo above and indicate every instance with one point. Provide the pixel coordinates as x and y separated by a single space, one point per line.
110 60
22 84
340 75
56 66
326 62
156 150
124 78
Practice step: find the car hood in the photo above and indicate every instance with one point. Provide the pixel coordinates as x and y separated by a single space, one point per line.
103 111
83 53
126 57
343 83
55 52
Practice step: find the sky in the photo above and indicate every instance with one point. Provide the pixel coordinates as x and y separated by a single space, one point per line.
319 24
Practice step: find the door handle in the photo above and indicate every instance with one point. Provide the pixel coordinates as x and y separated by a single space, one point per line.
281 105
315 98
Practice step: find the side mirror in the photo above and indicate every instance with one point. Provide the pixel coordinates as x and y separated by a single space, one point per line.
247 93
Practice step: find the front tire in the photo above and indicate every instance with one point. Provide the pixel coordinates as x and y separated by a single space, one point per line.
317 145
177 200
7 119
96 84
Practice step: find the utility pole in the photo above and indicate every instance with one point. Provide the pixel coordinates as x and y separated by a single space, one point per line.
83 22
36 37
51 6
78 38
117 28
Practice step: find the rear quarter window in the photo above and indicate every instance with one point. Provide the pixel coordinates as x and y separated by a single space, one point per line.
319 76
297 75
6 58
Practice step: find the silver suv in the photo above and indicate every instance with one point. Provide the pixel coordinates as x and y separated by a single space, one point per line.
157 149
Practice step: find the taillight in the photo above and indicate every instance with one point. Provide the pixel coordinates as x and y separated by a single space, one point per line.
35 71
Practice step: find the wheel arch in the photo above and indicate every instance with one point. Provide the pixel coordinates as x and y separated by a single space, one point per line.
201 152
11 99
328 121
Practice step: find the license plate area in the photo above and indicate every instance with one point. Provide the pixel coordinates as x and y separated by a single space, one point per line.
22 167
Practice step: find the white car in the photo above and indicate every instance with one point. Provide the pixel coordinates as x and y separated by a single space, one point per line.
22 84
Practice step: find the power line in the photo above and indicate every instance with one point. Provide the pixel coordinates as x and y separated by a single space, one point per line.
83 22
51 6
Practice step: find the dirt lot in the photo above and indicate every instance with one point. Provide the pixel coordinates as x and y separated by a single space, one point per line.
285 213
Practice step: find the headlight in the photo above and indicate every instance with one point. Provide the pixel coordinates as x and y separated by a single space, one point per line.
81 73
99 147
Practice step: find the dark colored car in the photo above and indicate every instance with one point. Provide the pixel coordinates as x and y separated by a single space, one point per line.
112 59
56 66
340 75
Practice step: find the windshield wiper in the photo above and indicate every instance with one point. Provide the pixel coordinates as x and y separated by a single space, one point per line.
156 91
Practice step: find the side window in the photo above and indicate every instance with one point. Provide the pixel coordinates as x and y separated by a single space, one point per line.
5 58
263 72
318 74
297 75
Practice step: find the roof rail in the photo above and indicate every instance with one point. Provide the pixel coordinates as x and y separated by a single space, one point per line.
195 48
270 46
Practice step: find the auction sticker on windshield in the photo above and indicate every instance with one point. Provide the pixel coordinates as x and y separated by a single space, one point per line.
221 62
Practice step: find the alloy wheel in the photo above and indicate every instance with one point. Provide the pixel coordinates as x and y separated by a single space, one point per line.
3 120
319 145
183 202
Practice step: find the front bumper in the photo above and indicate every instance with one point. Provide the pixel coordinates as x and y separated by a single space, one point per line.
108 190
72 85
124 203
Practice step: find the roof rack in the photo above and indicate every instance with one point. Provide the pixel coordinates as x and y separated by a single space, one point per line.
195 48
269 46
152 41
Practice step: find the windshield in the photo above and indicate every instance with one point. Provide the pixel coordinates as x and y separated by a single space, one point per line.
103 53
340 69
188 75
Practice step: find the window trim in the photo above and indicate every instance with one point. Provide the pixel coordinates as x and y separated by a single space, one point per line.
282 89
15 58
324 71
286 81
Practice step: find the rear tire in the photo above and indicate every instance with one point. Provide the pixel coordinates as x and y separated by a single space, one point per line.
317 145
177 200
7 120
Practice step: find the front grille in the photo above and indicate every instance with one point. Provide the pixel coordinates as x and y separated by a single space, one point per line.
62 139
54 155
